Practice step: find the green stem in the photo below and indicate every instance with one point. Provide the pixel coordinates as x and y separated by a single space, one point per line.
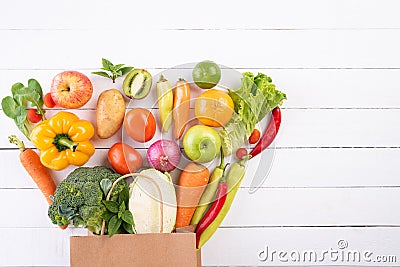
162 78
42 112
14 140
244 160
221 166
68 143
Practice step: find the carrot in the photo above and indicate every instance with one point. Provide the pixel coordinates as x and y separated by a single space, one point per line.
39 173
181 107
193 181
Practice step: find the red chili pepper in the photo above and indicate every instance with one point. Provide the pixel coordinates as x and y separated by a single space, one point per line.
214 210
270 133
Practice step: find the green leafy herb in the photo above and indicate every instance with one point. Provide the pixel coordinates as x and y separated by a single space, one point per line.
255 98
112 71
8 105
105 186
128 227
121 209
118 218
23 98
127 217
111 205
113 225
124 195
107 215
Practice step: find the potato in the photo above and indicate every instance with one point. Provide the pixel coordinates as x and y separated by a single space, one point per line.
110 113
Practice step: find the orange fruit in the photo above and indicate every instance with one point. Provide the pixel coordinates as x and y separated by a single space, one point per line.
214 108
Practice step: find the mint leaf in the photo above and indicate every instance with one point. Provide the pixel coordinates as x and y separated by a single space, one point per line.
113 225
102 73
111 205
125 70
118 66
106 64
127 217
112 72
8 105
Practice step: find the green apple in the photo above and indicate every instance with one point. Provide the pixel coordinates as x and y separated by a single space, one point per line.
201 143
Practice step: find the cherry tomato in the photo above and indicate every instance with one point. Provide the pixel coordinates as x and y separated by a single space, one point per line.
48 101
140 124
33 116
241 152
124 159
254 137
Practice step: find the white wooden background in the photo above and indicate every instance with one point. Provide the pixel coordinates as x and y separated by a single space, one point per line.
336 174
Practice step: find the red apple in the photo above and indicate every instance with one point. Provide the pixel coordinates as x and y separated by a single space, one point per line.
71 89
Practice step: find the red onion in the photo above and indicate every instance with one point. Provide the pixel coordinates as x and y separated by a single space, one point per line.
164 155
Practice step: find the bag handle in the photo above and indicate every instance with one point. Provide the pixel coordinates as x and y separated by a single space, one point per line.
151 180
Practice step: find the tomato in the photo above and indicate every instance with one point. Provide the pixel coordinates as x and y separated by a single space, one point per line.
140 124
124 159
48 101
206 74
33 116
241 152
214 108
254 137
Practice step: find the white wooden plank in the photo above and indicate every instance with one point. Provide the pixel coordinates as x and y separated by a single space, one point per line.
46 14
305 88
339 128
284 48
266 207
228 247
241 247
324 168
36 247
300 128
290 168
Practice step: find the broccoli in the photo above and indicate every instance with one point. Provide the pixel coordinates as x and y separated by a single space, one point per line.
79 198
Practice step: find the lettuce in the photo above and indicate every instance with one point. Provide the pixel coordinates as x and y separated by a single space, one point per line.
255 98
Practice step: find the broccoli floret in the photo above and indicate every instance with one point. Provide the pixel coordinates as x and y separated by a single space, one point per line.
92 194
70 194
79 197
54 215
92 217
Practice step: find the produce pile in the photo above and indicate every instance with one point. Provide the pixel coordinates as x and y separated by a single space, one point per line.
99 198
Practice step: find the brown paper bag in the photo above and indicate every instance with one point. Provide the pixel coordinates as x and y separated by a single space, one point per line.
174 249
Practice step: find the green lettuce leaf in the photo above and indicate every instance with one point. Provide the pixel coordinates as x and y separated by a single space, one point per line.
255 98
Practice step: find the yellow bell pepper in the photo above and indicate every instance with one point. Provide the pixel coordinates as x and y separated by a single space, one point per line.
63 140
